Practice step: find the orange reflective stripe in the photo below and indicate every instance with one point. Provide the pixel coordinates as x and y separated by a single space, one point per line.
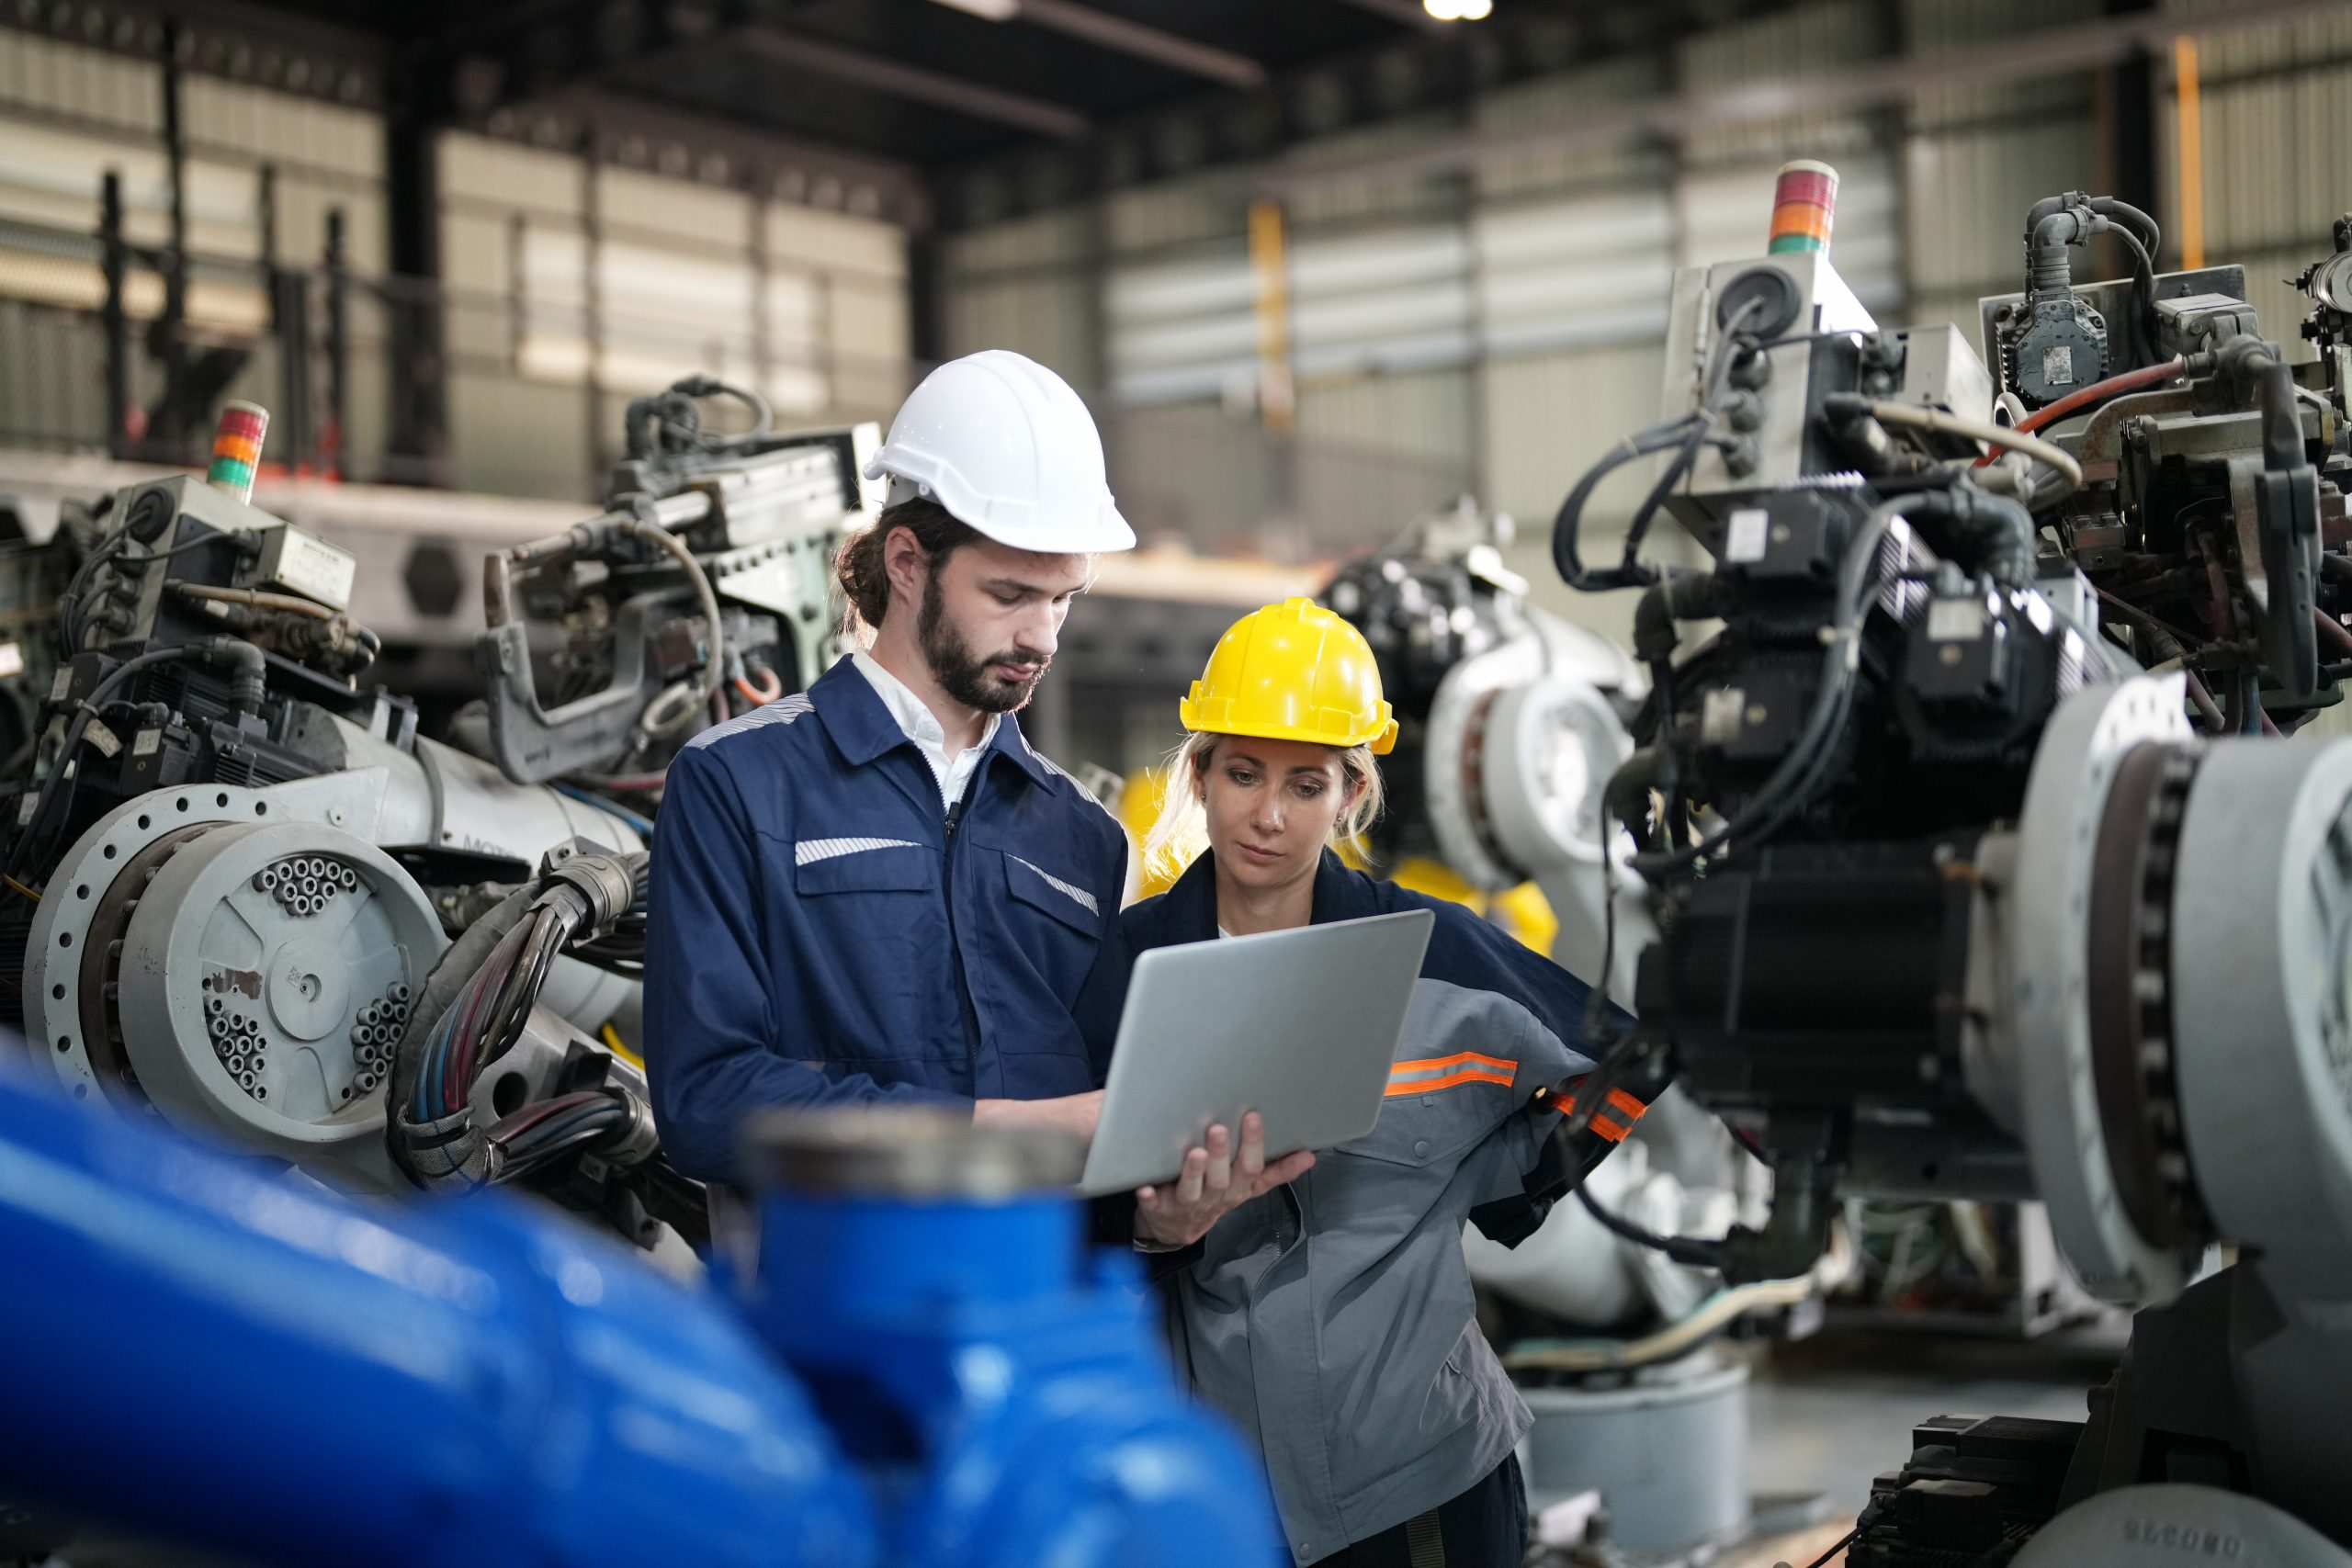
1601 1122
1499 1062
1468 1075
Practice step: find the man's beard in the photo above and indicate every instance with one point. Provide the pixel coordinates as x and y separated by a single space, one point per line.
970 681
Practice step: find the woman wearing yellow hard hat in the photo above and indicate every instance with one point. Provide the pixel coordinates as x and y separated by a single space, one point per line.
1333 1316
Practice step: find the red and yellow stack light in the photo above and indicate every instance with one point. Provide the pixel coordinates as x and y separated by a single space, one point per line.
236 448
1805 205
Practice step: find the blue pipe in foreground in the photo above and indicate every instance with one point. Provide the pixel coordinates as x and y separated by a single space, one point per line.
213 1354
202 1351
938 1299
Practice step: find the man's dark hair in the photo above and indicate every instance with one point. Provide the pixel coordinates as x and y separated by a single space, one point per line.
865 585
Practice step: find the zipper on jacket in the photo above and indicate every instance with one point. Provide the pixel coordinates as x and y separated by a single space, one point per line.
954 944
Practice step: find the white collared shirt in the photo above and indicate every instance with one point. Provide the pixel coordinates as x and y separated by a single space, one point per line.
954 774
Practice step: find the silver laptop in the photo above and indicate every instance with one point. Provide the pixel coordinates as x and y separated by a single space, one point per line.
1300 1026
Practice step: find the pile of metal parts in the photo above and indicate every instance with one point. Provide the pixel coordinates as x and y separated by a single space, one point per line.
1946 897
245 892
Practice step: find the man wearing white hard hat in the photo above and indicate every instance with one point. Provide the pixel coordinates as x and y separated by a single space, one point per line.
876 890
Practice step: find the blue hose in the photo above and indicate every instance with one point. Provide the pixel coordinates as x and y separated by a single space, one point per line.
644 825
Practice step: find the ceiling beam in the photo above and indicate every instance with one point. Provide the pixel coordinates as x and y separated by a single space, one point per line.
798 51
1107 31
1407 12
631 131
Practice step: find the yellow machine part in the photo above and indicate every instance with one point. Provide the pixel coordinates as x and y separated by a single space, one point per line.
1522 912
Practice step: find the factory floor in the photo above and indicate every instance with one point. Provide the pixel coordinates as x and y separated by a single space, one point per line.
1828 1414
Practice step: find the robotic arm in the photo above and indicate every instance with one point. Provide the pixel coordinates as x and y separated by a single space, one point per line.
1952 900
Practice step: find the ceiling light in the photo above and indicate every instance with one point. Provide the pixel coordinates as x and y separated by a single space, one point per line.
1459 10
994 10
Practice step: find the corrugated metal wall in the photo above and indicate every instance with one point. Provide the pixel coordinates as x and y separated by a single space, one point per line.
562 276
71 113
1554 291
98 88
1823 35
1531 106
1975 158
812 305
1550 268
1029 286
508 433
2277 114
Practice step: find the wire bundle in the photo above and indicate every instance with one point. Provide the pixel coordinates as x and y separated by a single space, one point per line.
52 806
488 1016
623 951
1686 434
460 1028
539 1133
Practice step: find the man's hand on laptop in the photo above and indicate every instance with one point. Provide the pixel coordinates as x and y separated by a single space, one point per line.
1073 1113
1215 1181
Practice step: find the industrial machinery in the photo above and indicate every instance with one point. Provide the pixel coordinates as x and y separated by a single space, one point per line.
930 1369
1953 901
1507 716
706 584
2212 483
236 872
1510 720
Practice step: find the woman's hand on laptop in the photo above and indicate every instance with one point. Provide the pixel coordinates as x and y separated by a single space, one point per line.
1073 1113
1215 1181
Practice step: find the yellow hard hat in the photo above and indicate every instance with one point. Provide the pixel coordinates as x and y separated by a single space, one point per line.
1292 671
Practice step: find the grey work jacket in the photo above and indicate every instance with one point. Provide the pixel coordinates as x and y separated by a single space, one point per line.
1333 1318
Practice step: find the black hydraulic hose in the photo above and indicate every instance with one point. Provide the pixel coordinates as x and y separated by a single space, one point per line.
1565 523
1680 596
559 914
2143 279
582 895
2116 210
1986 532
1691 1252
1793 778
1690 432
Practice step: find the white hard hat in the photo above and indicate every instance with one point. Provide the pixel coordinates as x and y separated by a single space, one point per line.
1005 446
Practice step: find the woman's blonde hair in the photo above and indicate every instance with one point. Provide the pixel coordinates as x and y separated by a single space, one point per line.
1181 830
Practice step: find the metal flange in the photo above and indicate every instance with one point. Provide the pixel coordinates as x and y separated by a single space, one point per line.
229 1009
2048 1007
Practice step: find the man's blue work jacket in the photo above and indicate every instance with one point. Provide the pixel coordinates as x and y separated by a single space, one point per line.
821 932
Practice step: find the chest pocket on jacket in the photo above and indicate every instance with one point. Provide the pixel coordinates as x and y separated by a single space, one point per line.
1423 1125
1073 913
1062 943
874 865
873 923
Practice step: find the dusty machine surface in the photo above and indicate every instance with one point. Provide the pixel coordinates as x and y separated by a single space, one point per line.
1960 891
245 892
